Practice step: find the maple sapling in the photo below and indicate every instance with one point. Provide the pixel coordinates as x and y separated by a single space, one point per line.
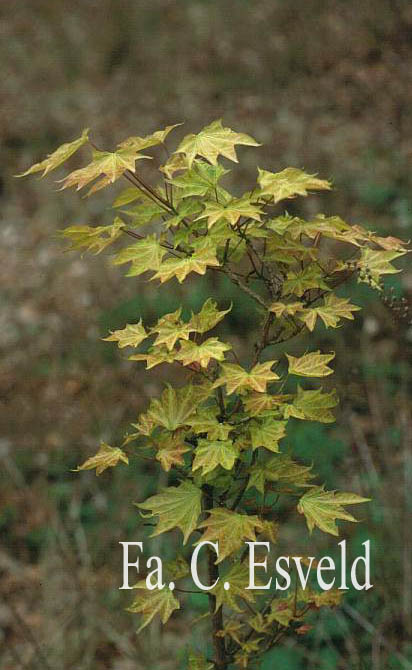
223 433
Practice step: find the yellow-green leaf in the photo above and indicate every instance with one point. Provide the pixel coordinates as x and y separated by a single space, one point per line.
59 156
149 603
106 457
109 165
198 662
130 336
267 433
231 211
92 239
279 469
289 183
300 281
208 317
198 262
146 254
238 578
171 450
154 356
238 379
176 507
173 408
209 454
313 405
139 143
210 349
229 529
170 329
321 508
332 310
212 141
201 180
313 364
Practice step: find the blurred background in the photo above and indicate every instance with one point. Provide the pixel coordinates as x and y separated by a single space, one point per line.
326 86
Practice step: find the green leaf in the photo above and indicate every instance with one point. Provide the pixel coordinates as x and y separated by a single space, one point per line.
139 143
109 165
321 508
289 183
171 450
238 578
212 141
173 409
313 406
209 454
313 364
176 507
59 156
267 433
258 403
205 421
154 356
106 457
146 254
170 329
289 309
332 310
279 469
143 213
149 603
229 529
130 336
208 317
190 352
300 281
201 180
378 263
231 211
238 379
180 268
92 239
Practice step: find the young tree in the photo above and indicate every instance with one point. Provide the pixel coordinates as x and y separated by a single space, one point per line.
222 433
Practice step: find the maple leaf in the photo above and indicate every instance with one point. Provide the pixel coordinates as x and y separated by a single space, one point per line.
173 408
209 454
176 507
280 469
267 433
237 378
175 163
299 282
146 254
201 180
313 364
93 239
106 457
171 450
231 211
212 141
129 336
208 317
238 578
150 603
138 143
59 156
284 249
257 403
190 352
281 611
110 164
170 329
143 213
229 529
288 183
181 267
313 405
378 262
281 308
321 508
205 421
231 629
154 356
332 310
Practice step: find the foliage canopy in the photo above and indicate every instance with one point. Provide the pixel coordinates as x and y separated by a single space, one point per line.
224 433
